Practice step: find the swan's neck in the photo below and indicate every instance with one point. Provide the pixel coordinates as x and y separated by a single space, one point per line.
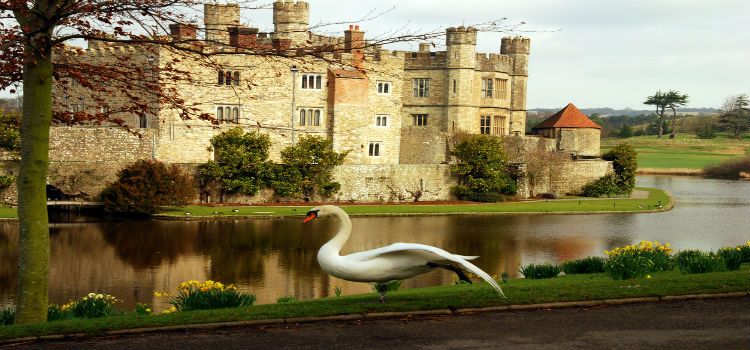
345 229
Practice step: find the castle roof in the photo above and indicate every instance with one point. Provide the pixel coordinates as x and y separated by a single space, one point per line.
568 117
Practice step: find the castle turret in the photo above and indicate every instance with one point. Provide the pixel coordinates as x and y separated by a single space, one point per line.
218 18
518 49
461 61
290 21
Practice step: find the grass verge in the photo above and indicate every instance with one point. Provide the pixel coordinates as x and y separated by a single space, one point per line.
576 205
520 292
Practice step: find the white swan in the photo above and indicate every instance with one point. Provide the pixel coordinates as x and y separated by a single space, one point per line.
394 262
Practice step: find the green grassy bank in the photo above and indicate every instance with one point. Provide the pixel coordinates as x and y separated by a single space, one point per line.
573 205
519 292
685 151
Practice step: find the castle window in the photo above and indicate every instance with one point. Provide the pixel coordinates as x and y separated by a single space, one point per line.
421 87
501 91
143 121
309 116
312 81
374 149
229 78
381 120
413 55
384 87
228 114
486 88
498 126
484 124
454 86
419 119
83 103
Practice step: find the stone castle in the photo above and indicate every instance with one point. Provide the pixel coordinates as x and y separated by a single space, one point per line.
393 111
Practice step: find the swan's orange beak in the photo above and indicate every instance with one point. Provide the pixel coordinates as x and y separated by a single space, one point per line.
312 214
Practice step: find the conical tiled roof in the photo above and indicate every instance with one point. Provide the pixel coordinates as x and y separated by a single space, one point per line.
568 117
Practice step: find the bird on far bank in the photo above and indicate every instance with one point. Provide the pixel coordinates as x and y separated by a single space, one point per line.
394 262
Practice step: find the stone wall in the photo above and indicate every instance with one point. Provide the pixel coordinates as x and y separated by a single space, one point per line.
580 141
393 183
562 177
423 145
99 144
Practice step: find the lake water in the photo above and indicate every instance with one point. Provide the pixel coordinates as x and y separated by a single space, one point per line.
272 258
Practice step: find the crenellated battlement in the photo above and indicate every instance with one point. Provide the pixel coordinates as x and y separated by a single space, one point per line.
515 45
460 35
494 63
289 11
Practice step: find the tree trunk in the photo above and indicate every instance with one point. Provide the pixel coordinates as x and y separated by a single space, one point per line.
33 246
674 121
661 123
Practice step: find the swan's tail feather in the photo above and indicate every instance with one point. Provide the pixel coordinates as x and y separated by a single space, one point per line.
477 271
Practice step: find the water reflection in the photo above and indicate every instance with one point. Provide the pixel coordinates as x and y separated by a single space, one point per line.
275 258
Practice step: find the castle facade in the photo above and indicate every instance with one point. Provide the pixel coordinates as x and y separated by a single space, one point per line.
367 100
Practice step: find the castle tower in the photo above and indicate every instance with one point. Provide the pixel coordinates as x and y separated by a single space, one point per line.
461 61
518 49
290 21
218 18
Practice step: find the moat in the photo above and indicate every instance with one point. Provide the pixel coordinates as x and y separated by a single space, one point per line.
273 258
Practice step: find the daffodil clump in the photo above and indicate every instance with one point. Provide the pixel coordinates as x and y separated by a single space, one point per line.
91 306
194 295
635 261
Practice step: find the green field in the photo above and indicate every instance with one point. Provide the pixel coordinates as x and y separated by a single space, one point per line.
685 151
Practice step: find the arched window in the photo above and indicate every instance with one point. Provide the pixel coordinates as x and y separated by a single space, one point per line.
220 114
221 77
236 115
310 117
228 78
318 81
317 117
228 114
304 81
302 117
236 80
454 86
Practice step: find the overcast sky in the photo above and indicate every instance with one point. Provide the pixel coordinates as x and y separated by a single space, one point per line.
594 53
604 54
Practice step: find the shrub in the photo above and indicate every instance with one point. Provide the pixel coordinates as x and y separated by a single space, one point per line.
591 264
605 186
7 316
6 181
146 185
464 194
728 170
481 165
696 261
732 257
638 260
307 169
539 271
625 163
193 295
241 162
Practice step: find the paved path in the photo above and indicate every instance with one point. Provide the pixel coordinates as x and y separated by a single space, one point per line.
692 324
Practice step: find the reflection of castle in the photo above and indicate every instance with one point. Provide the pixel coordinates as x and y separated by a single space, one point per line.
388 108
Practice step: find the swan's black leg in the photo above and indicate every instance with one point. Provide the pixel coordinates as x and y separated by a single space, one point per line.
461 275
383 289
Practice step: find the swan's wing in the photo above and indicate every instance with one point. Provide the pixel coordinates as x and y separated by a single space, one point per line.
430 254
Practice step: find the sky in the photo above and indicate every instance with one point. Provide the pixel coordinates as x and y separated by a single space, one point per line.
593 53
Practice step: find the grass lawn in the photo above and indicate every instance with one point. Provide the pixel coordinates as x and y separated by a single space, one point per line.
552 206
8 212
684 151
519 291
